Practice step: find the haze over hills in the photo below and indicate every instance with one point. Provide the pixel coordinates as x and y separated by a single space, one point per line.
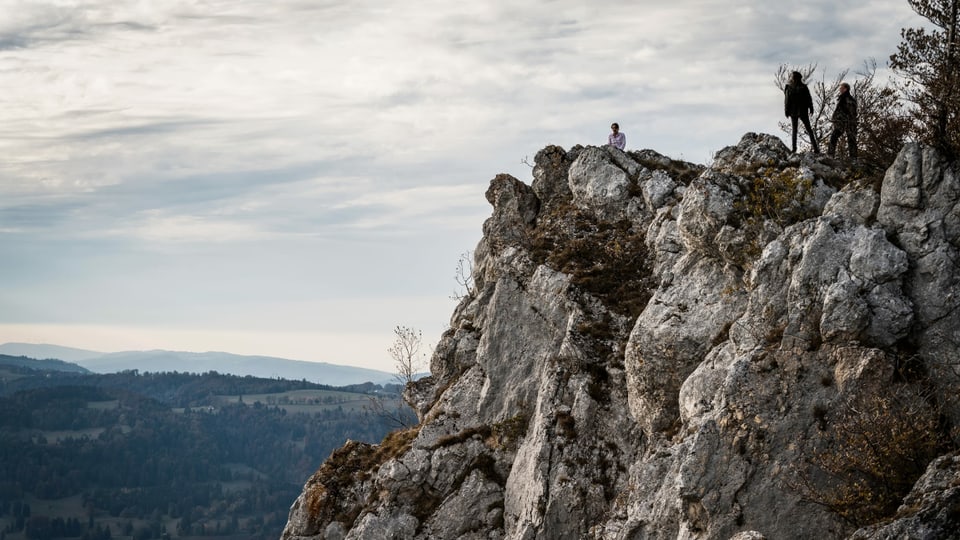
190 362
154 456
45 365
45 351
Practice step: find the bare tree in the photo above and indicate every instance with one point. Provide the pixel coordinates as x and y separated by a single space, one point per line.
463 275
822 92
405 352
785 72
407 361
391 407
869 452
883 124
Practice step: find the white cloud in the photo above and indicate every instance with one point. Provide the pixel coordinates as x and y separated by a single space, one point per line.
160 228
306 135
393 208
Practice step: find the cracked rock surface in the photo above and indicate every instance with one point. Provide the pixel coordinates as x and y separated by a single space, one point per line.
656 349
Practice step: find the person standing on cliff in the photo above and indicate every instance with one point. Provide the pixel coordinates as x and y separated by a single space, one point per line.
617 139
844 121
798 105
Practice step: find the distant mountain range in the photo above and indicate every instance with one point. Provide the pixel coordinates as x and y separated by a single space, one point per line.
189 362
43 352
47 364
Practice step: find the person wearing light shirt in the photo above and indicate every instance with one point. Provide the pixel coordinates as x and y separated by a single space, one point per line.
617 139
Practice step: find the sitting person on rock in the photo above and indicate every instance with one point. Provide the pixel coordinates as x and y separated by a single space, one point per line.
797 105
617 139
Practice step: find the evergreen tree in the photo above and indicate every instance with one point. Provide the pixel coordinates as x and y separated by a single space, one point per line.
928 62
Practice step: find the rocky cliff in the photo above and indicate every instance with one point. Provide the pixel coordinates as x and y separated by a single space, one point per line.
766 347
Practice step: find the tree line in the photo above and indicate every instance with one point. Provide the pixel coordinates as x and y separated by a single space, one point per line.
142 449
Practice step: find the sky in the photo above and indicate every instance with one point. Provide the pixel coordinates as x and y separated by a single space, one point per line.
296 178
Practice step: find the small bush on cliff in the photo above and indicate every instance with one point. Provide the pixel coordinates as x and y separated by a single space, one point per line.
505 435
779 195
406 355
463 275
327 494
680 171
607 260
769 194
871 455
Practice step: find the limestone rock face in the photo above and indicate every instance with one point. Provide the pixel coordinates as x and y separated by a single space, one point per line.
920 211
655 349
599 185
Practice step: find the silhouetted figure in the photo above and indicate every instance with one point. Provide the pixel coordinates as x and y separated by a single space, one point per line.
797 105
617 139
844 121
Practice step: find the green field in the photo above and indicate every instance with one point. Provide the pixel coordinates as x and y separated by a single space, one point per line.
308 401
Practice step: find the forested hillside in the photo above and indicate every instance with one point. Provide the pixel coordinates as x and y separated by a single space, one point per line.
148 455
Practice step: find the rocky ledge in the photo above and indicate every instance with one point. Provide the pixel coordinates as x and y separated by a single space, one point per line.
766 347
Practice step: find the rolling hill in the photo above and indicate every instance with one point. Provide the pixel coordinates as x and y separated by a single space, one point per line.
191 362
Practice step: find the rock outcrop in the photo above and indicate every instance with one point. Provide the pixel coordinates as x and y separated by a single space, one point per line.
766 347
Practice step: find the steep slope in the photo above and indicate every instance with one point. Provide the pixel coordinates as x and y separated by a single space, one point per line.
765 347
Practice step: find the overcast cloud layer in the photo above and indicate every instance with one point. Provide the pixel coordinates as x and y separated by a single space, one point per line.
295 178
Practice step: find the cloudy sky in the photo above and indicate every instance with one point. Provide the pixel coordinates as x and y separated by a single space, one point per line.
295 178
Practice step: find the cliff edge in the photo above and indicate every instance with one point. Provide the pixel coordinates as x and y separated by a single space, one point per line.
766 347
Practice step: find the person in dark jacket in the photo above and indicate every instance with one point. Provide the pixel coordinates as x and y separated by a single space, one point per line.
844 121
797 105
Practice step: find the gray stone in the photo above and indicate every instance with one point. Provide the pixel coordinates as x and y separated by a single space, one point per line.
857 204
930 510
515 208
550 175
748 535
673 334
551 413
658 189
919 210
599 185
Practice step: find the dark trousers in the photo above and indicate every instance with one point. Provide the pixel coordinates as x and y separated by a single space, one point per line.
839 128
806 124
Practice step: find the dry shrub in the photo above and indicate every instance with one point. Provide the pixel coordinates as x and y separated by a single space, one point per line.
566 424
871 455
328 495
680 171
779 195
607 260
507 435
769 195
483 432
